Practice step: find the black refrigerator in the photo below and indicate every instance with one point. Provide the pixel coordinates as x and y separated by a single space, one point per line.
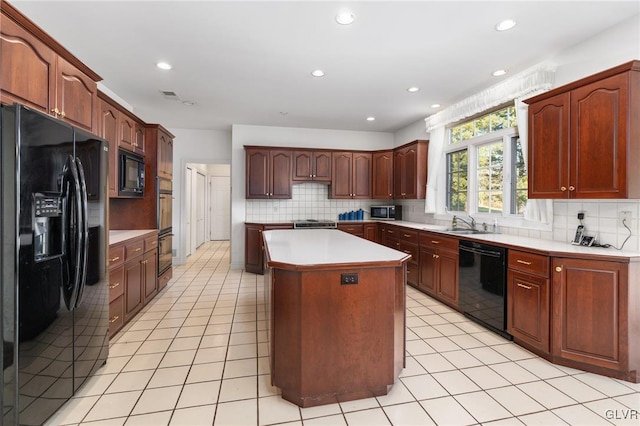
54 292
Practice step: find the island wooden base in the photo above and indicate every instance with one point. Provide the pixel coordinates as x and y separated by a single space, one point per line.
332 342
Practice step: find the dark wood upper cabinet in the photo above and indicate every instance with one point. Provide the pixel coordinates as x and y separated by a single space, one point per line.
584 141
268 173
382 181
351 175
127 133
108 129
311 166
410 170
38 72
139 139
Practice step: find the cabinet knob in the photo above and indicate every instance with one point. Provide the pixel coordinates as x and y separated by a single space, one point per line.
390 195
563 188
62 114
55 111
572 188
558 269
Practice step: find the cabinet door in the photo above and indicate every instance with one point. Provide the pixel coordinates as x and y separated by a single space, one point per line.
361 182
428 266
165 155
133 273
599 117
410 172
253 256
127 133
341 175
590 307
280 174
150 265
398 174
322 166
447 282
302 166
24 55
76 96
382 182
371 232
528 309
138 139
116 315
548 161
257 170
109 131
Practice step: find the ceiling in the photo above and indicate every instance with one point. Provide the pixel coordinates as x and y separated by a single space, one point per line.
250 62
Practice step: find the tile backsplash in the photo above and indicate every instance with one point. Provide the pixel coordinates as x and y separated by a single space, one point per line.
308 201
311 201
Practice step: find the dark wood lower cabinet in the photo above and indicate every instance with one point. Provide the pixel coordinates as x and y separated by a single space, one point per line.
528 309
438 268
254 245
133 278
590 317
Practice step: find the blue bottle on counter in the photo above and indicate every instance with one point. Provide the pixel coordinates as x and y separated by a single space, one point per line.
352 215
360 214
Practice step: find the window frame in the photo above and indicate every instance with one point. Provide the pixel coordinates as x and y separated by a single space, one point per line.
471 145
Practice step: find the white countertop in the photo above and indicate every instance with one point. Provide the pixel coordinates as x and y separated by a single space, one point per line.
553 247
127 234
308 247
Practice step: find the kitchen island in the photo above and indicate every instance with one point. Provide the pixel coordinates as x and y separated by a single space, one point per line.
335 315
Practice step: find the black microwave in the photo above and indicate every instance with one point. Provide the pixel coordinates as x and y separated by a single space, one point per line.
131 182
386 212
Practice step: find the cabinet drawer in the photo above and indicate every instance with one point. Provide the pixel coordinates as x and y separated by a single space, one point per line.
411 249
133 248
150 243
116 315
116 255
429 239
529 263
352 229
409 236
116 283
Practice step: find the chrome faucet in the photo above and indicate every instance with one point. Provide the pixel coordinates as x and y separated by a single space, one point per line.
471 224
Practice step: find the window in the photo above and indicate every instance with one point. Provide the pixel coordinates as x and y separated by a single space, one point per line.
486 172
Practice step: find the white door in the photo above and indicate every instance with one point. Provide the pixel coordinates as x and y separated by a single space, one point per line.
187 215
201 202
220 207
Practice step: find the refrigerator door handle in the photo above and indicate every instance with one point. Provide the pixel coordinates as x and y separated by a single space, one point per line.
84 232
73 247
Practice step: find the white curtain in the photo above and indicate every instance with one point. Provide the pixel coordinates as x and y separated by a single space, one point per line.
536 210
436 146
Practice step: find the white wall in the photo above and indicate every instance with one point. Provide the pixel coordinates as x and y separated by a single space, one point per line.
193 146
284 137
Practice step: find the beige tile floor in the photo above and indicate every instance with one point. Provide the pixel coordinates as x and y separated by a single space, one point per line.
197 355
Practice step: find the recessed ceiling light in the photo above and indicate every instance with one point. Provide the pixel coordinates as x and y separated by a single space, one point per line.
435 105
498 73
164 65
505 25
345 18
413 89
317 73
371 118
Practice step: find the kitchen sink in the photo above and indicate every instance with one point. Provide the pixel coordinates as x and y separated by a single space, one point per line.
466 231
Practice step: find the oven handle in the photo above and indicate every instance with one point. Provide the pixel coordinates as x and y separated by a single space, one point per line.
481 251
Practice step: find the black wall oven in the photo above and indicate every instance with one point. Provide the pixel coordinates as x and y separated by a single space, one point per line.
164 218
483 284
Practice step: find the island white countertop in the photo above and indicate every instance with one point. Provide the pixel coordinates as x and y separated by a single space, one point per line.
323 247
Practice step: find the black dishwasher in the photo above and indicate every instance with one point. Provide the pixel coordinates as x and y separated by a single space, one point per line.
483 285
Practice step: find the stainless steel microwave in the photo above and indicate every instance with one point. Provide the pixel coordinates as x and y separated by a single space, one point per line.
131 182
386 212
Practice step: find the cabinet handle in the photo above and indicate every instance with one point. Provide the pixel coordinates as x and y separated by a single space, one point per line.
114 285
524 262
558 269
114 319
435 242
563 188
407 251
407 235
138 249
528 287
390 231
114 259
572 188
436 256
